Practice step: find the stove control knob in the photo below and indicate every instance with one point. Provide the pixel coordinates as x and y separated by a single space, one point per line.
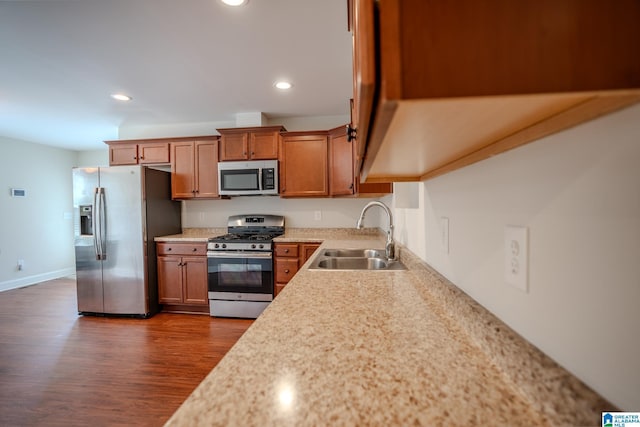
253 246
261 246
224 245
216 245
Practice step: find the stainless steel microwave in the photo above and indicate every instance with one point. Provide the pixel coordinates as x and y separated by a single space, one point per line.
248 178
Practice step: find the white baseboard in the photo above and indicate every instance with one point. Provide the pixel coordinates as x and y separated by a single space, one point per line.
32 280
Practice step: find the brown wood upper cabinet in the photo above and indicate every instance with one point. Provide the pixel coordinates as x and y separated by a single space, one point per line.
254 143
194 168
304 164
140 152
439 85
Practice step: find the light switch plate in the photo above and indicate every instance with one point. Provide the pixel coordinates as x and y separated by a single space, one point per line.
516 257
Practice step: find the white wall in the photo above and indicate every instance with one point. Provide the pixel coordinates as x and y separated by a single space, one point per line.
578 192
93 158
39 227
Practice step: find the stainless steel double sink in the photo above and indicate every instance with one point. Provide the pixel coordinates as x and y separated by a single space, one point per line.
354 259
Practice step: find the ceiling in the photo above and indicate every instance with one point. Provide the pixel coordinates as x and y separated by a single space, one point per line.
188 61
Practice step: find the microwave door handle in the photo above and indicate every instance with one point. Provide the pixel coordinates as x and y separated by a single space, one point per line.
260 183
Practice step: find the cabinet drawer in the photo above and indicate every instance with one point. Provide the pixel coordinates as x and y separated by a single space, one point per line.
286 269
286 250
182 248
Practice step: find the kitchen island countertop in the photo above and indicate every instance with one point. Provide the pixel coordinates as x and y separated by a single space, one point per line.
383 348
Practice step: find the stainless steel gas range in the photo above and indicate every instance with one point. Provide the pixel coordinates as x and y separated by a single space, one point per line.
240 266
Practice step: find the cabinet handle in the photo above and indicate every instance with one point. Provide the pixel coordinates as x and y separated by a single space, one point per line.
351 133
244 153
286 271
286 251
180 264
252 153
195 249
168 249
141 157
351 186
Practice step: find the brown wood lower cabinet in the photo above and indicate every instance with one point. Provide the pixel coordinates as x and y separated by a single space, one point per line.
288 258
182 277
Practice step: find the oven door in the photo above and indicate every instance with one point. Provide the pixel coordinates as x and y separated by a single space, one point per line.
246 275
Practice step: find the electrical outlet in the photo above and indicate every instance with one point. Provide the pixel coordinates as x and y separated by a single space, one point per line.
516 257
20 264
444 234
317 215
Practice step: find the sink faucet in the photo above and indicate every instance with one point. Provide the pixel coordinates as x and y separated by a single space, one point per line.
390 247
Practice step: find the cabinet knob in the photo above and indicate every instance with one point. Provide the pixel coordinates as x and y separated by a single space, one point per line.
195 249
252 153
141 157
286 271
286 251
169 249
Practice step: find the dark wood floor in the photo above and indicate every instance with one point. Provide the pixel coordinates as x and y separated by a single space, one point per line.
58 368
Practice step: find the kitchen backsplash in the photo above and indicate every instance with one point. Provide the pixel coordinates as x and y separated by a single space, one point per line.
305 213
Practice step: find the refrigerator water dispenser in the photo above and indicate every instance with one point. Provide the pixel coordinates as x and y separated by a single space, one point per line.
86 220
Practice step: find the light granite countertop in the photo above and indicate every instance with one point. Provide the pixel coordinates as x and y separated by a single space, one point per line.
383 348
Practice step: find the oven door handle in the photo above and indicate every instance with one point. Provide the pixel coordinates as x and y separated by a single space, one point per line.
246 255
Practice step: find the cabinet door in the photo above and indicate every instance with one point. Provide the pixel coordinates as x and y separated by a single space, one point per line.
169 280
194 270
263 145
303 167
150 153
123 154
341 176
234 146
206 170
307 250
182 170
362 28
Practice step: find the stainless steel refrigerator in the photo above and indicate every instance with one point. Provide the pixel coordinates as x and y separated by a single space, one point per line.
118 211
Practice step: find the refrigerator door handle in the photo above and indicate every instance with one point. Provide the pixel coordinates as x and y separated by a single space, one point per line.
102 224
96 227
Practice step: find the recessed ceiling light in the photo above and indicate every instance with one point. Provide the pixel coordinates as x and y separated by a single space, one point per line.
283 85
121 97
234 2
